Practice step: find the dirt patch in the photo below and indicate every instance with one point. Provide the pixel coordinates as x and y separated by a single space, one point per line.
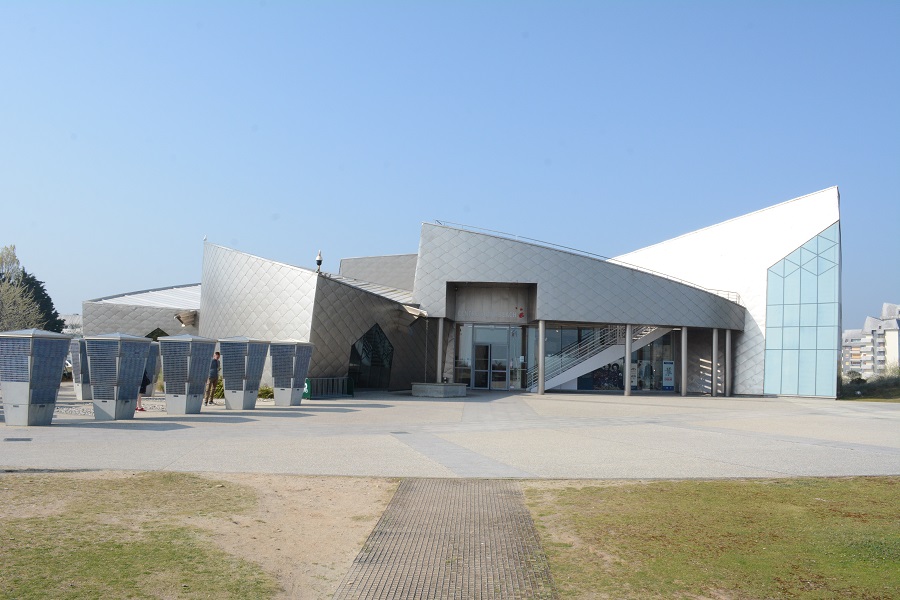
306 530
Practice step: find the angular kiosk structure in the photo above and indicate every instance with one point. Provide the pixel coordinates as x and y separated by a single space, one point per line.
31 366
186 361
116 362
243 360
290 364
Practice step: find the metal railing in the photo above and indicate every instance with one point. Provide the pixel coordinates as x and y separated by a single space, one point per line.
578 352
328 387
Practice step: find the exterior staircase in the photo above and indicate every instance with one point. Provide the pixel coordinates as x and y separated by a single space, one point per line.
597 350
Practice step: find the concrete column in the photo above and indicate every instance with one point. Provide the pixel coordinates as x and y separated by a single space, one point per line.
439 378
542 333
715 364
728 363
629 332
684 360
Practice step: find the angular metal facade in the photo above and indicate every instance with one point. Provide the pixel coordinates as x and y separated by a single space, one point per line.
397 271
244 295
343 314
570 287
462 271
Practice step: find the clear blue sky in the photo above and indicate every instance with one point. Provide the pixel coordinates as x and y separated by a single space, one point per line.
130 130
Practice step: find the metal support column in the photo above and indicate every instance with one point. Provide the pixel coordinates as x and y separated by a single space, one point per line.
629 331
542 333
728 363
684 360
439 376
714 384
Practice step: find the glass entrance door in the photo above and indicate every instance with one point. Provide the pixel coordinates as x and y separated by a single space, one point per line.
490 357
499 367
491 367
482 374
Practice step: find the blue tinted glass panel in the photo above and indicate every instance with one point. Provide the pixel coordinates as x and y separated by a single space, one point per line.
826 338
831 254
828 285
790 338
808 338
807 256
827 314
773 372
802 316
789 363
791 315
806 373
777 268
775 290
826 373
809 289
808 314
792 288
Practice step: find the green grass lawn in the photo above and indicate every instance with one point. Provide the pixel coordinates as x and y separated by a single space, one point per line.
121 537
792 538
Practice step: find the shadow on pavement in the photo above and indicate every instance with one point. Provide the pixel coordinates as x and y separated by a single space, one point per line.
125 425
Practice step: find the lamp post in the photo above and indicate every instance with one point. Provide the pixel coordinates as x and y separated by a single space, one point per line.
319 262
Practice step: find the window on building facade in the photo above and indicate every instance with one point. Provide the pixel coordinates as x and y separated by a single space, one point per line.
802 306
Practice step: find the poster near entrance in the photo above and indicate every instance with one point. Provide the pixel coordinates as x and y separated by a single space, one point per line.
668 378
634 376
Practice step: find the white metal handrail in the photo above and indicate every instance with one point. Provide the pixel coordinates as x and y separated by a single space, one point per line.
580 351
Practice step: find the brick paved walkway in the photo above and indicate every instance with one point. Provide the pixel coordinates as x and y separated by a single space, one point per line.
451 538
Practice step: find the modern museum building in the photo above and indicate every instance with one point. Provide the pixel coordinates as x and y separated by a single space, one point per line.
750 306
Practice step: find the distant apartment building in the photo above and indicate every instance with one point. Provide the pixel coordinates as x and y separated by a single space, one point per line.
875 348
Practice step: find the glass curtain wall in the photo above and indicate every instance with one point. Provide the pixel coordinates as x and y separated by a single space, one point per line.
490 356
650 362
802 319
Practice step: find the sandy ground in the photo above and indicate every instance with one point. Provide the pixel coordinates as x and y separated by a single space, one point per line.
306 530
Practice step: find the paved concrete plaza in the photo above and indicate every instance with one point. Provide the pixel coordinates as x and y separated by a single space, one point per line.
486 435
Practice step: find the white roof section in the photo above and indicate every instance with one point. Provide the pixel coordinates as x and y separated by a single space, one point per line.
182 296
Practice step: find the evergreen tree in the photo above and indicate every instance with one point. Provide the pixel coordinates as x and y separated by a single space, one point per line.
38 292
18 310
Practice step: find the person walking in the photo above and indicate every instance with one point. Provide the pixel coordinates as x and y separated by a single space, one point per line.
212 381
145 381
